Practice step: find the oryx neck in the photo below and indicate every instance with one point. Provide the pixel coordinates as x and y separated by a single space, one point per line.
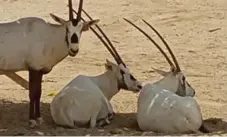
108 83
59 49
167 83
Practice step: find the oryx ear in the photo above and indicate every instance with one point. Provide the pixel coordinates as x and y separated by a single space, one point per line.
109 65
173 70
88 24
58 19
161 72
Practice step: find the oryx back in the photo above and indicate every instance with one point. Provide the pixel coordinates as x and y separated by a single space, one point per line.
161 110
78 102
30 41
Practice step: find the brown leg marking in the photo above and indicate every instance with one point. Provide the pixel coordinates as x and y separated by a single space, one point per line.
35 87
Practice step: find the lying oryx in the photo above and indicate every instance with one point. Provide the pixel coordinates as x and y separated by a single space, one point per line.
86 98
159 108
37 46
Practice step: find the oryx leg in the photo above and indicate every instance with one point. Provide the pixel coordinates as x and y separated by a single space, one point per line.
110 110
103 122
93 119
35 88
106 114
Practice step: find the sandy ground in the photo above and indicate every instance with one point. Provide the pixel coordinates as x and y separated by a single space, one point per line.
186 24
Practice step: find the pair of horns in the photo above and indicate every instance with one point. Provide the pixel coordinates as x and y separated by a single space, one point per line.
71 18
176 67
110 47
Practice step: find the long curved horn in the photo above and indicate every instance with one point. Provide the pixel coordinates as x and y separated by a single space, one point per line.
167 46
70 10
160 49
100 37
108 40
80 10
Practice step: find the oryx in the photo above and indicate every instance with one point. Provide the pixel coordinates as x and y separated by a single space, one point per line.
167 105
35 45
86 98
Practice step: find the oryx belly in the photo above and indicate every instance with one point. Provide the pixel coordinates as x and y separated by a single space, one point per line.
160 110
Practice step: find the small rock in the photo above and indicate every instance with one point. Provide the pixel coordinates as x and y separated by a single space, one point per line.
39 133
116 131
125 128
3 130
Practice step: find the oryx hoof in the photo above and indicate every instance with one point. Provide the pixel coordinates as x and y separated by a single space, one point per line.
103 122
32 123
111 116
39 120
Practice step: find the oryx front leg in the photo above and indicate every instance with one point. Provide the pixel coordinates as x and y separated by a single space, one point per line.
110 110
35 87
103 122
106 114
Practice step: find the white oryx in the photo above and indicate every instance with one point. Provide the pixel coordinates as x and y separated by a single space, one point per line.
35 45
86 98
168 105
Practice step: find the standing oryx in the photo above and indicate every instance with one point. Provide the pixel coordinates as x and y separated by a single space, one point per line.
86 98
37 46
159 108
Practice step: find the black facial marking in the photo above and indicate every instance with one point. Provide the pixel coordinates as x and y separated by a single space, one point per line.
121 83
183 78
132 78
75 22
74 38
181 89
122 72
66 36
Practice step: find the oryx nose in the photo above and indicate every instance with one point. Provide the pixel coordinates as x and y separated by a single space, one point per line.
74 51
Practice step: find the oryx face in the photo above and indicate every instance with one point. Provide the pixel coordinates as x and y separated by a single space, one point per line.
74 28
74 31
176 82
125 79
184 88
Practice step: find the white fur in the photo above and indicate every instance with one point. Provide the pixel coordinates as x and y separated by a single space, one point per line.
161 110
86 98
83 100
31 42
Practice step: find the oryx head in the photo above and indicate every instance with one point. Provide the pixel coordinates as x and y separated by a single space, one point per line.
125 79
175 80
74 28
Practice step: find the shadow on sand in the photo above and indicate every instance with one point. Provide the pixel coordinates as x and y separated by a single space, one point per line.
14 121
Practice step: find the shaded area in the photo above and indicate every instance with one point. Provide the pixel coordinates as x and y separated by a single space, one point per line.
14 118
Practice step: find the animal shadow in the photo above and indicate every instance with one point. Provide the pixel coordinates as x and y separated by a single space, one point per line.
216 125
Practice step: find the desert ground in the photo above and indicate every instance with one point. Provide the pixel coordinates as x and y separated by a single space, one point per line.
195 29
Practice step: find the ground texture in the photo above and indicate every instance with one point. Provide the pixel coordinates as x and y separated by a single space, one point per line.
195 29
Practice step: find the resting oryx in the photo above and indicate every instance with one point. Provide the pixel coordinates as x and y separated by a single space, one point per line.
86 98
35 45
167 105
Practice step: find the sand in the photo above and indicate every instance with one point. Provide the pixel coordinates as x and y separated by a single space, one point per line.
195 29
